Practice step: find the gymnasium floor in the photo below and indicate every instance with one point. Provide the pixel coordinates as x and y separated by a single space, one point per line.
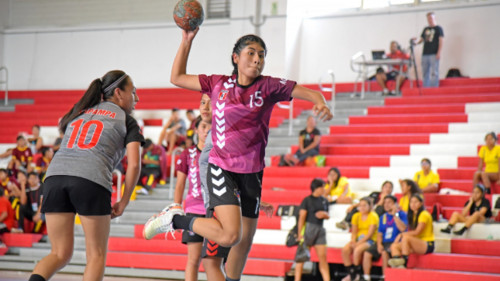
22 275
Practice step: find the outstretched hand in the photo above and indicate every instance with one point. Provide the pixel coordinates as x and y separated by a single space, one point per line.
322 111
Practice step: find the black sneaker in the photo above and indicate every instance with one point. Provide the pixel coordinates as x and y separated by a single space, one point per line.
446 230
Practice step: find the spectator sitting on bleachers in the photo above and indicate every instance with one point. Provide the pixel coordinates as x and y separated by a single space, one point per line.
43 162
173 131
364 234
31 202
309 139
420 237
7 217
408 188
7 153
6 182
427 179
489 154
313 211
378 198
477 209
190 131
392 222
394 71
35 141
21 157
337 188
151 166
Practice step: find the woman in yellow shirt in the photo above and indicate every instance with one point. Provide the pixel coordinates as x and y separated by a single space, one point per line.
337 188
489 154
363 235
419 239
408 188
427 179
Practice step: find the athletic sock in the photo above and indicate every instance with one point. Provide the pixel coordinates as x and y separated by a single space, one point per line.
183 222
230 279
352 272
358 270
36 277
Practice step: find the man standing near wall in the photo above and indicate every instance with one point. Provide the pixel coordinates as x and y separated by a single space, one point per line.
433 38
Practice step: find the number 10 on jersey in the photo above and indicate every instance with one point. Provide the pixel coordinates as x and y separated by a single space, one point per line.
80 136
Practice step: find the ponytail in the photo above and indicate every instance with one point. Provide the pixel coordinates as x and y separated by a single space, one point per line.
100 89
91 97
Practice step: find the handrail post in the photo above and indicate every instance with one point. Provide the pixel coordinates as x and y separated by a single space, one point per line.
6 82
290 119
172 172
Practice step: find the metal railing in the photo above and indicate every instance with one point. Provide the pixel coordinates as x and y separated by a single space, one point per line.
6 82
359 68
332 89
171 187
118 188
290 115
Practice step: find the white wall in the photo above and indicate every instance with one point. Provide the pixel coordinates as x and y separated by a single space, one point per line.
470 29
70 57
65 58
4 20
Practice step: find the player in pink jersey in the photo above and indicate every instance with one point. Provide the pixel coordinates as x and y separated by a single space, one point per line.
242 104
188 169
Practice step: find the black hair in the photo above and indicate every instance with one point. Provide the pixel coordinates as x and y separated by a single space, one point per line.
392 197
197 121
413 218
337 171
493 135
36 126
317 183
2 170
33 174
98 90
20 137
242 43
481 187
413 186
368 200
147 143
175 109
44 150
388 182
426 160
189 111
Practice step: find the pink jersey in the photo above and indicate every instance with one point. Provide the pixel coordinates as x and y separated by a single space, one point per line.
240 119
188 164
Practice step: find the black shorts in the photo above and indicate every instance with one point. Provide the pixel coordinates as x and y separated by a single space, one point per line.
392 75
374 251
189 236
69 194
430 247
228 188
212 249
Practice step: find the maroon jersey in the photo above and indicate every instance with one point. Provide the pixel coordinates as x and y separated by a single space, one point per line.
188 164
240 119
23 154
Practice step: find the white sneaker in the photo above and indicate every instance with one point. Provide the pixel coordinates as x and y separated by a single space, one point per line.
142 191
162 222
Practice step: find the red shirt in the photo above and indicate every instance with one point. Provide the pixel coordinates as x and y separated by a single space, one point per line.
6 207
398 55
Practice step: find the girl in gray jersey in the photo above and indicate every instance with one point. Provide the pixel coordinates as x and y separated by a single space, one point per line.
97 132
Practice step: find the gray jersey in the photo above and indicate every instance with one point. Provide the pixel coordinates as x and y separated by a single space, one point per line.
94 144
203 162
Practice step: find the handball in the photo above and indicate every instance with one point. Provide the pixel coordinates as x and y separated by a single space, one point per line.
188 14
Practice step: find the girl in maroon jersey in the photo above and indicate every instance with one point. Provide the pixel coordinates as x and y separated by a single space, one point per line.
242 104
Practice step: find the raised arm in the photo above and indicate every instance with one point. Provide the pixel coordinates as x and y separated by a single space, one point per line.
320 108
178 75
